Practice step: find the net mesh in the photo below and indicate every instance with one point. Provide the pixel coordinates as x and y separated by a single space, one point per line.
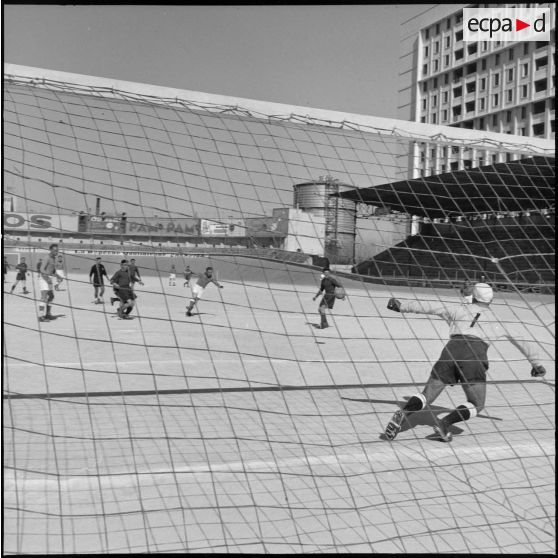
244 428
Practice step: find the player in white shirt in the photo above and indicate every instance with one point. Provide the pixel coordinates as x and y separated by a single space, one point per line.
464 358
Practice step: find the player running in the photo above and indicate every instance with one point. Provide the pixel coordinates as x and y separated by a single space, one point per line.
97 273
47 272
327 286
122 285
135 276
172 276
60 275
199 288
21 268
187 276
464 358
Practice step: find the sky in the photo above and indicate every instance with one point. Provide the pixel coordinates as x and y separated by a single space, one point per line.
333 57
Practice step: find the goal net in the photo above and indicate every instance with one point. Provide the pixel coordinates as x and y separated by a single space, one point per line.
246 426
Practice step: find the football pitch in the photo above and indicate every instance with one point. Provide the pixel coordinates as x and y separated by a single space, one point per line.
246 429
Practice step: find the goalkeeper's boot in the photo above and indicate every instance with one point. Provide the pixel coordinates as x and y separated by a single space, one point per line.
323 322
394 425
442 429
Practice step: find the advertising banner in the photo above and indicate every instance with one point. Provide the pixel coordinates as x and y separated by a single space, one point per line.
39 222
111 225
228 227
155 226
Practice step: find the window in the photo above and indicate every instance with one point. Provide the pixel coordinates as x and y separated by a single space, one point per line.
510 54
446 60
483 84
495 100
448 41
448 23
471 68
423 119
540 85
424 87
436 47
459 54
481 123
496 80
523 112
425 69
471 86
457 92
436 65
522 131
456 111
470 106
459 36
435 83
525 69
509 95
482 103
483 64
508 116
426 51
434 118
453 165
497 60
484 46
525 48
538 129
434 101
446 79
445 115
458 18
538 108
541 44
426 34
437 28
524 91
472 48
446 97
457 74
424 104
541 63
509 74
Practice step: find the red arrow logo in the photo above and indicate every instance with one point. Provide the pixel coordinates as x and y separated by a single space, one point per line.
519 25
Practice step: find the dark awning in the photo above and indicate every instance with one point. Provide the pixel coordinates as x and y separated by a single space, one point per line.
512 186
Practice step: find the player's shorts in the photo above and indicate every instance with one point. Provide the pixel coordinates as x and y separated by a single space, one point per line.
60 274
197 291
172 275
44 285
21 276
98 284
328 300
463 360
125 294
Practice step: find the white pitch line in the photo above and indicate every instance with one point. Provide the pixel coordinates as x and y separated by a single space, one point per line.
390 459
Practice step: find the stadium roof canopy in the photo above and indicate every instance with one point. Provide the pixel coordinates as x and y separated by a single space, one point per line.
512 186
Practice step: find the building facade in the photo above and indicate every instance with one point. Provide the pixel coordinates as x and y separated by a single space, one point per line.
505 87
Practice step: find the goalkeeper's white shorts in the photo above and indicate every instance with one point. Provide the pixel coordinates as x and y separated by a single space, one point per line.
197 291
44 285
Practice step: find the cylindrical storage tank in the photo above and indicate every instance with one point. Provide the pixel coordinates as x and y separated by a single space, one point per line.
339 215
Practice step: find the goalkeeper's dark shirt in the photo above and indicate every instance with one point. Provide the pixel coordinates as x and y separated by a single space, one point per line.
328 285
121 278
97 272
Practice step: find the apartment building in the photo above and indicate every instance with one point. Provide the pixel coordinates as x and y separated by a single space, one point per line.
505 87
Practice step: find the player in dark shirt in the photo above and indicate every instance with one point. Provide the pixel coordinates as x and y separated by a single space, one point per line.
327 286
122 285
187 275
21 276
135 276
96 276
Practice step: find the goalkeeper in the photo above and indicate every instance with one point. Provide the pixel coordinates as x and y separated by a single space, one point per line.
464 358
327 286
